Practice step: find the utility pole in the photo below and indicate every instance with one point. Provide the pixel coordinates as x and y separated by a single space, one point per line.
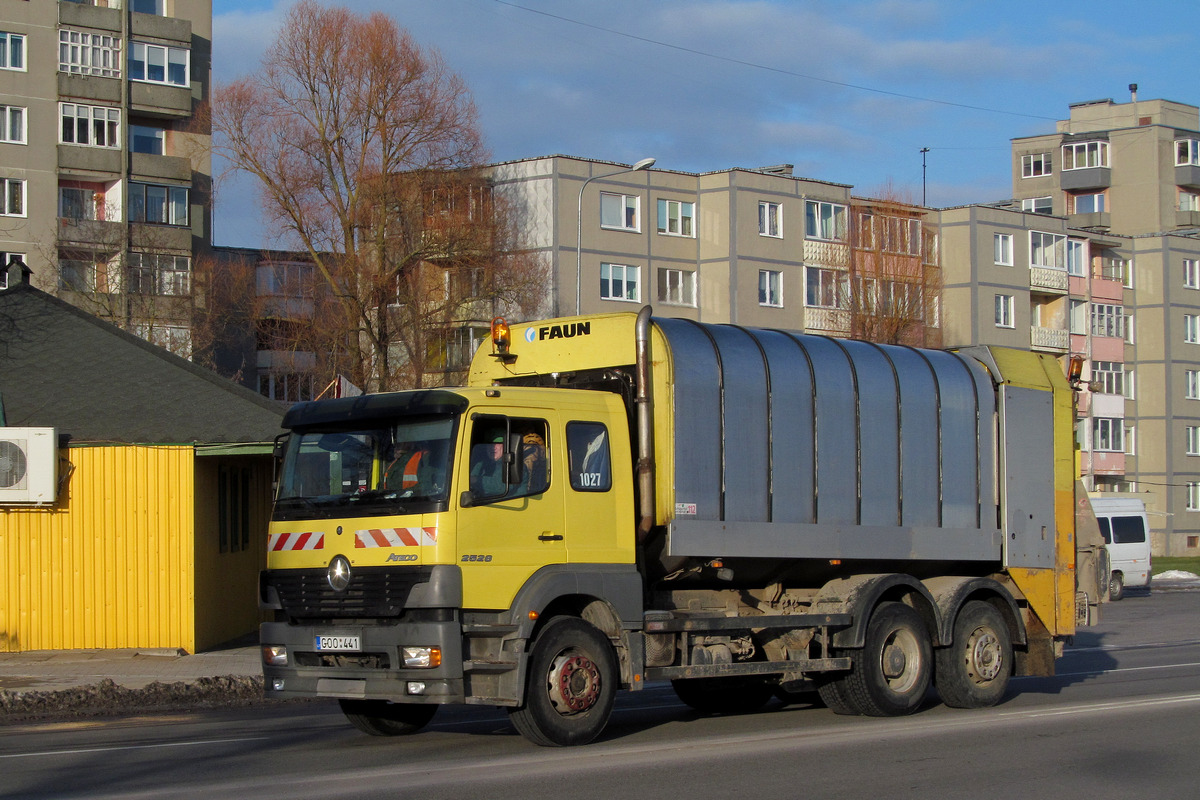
924 150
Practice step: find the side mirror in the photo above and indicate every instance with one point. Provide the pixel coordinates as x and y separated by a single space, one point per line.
466 499
280 446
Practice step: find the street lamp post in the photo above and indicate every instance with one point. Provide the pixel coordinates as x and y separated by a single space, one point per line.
644 164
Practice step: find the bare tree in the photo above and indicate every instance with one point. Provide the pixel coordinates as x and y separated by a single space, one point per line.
368 156
894 283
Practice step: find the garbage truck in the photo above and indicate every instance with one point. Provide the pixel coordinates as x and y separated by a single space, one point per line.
622 499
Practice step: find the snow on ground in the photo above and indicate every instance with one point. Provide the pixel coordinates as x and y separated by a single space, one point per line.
1176 575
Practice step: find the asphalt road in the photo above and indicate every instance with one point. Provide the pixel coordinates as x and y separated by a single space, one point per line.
1121 719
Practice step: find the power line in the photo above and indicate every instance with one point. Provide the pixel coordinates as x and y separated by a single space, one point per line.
765 68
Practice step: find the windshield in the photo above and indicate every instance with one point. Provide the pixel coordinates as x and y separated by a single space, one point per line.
395 468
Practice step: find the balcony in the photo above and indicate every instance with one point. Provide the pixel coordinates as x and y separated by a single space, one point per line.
171 168
1086 178
155 27
1049 340
89 162
1045 279
160 100
1096 219
1188 175
834 321
89 87
81 15
1187 219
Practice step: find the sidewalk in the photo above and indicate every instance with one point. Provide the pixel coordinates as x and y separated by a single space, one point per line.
55 670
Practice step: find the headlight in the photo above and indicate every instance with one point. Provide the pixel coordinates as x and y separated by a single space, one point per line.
274 655
422 657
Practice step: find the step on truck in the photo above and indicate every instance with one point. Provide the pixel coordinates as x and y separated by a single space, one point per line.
620 499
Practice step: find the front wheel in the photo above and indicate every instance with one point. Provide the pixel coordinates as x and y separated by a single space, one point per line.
383 718
893 671
973 671
571 686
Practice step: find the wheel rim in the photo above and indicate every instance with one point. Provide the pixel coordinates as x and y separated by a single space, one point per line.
900 661
574 684
985 655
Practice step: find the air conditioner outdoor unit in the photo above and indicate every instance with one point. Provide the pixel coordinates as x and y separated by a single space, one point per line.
28 465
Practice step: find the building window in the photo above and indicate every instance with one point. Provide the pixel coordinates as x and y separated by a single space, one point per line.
147 7
233 508
163 205
160 274
176 338
288 386
12 203
1188 201
147 139
284 279
825 288
1038 205
1187 152
620 282
1083 155
1108 377
1191 328
901 235
824 221
1092 203
1193 384
96 126
83 271
1047 250
154 63
12 51
770 288
1108 434
1108 320
620 211
770 219
675 218
6 258
82 53
1193 504
1078 317
1193 440
1191 273
1004 311
1002 249
677 287
12 124
1035 166
1076 257
80 202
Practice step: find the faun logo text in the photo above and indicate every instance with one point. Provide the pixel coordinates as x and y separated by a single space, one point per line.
567 331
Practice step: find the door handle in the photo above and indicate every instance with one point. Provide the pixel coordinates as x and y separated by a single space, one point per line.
550 536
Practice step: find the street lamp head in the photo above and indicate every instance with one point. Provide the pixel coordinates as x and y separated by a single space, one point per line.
645 163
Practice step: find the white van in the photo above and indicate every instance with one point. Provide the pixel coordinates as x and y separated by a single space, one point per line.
1127 536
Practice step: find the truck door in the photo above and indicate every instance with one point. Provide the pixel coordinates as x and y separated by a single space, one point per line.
510 519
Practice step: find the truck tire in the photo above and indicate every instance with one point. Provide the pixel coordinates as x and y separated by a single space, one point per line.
973 671
384 718
892 673
1116 586
732 695
572 683
835 695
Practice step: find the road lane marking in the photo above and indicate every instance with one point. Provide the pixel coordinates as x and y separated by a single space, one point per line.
116 748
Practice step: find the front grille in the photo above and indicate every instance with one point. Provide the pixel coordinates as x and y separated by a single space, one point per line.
373 592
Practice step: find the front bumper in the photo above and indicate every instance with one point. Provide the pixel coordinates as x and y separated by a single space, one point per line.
376 672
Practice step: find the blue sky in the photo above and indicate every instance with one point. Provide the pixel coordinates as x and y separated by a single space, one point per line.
847 91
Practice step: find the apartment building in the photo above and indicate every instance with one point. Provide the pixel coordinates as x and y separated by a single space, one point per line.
104 166
1130 173
757 247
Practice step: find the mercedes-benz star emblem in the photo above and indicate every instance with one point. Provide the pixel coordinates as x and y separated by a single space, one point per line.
338 574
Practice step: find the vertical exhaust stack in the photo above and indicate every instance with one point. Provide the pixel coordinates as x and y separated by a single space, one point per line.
644 403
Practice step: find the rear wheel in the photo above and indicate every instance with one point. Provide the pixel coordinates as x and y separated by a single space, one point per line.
892 673
384 718
733 695
835 695
973 671
571 687
1116 586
